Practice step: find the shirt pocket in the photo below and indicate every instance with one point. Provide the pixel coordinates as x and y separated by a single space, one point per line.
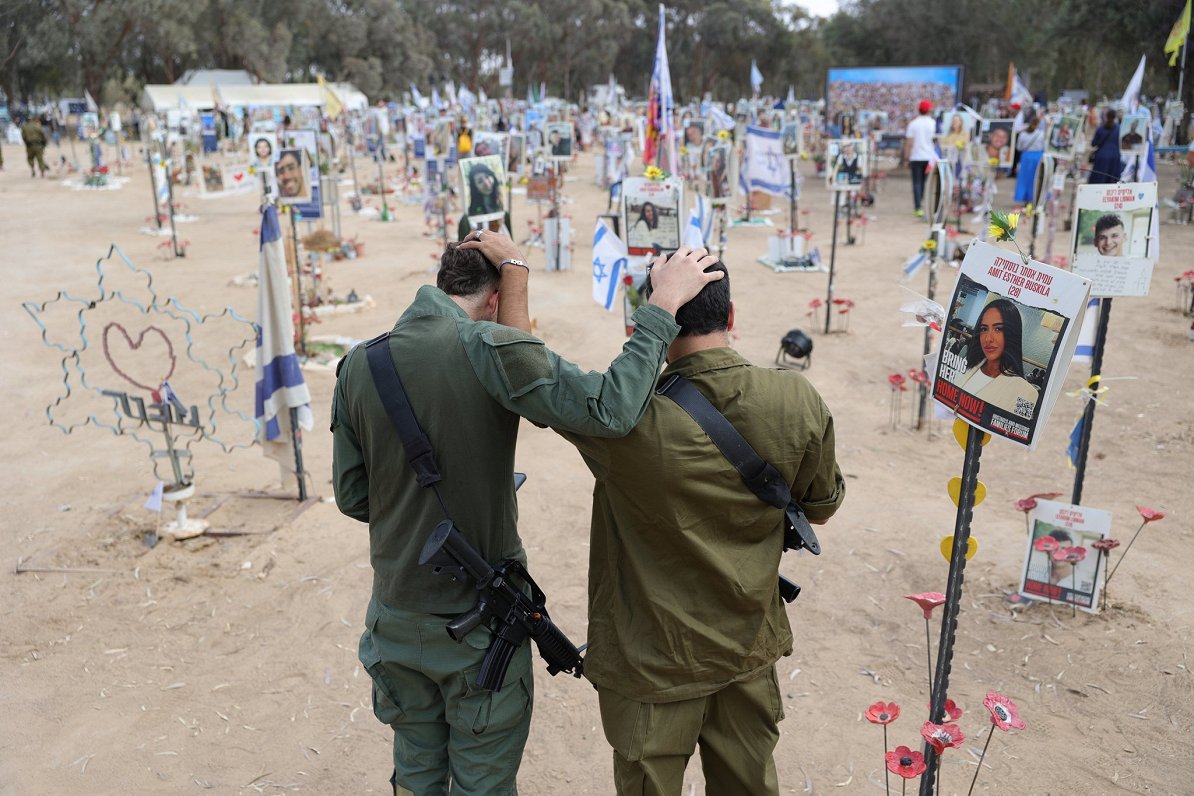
522 361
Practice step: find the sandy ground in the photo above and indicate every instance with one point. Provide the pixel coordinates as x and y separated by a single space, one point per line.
228 662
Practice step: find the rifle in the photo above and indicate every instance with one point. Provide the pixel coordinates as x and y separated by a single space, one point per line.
502 605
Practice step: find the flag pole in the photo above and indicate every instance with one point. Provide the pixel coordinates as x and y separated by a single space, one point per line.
1088 413
1181 75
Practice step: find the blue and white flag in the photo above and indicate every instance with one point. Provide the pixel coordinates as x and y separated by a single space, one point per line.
417 96
280 384
764 168
700 223
756 77
154 501
1086 335
720 120
1131 98
436 102
609 264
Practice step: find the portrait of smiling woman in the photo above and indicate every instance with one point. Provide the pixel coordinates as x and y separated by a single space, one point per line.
995 361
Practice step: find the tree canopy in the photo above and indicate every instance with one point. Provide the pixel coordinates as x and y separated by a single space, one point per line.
53 48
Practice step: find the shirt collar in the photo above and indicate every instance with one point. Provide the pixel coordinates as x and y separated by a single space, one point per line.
430 300
703 361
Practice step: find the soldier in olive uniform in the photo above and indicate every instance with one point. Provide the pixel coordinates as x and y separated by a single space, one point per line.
469 379
685 616
35 145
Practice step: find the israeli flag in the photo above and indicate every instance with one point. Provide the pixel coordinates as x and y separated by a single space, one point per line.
1084 351
765 167
280 384
756 77
609 264
700 223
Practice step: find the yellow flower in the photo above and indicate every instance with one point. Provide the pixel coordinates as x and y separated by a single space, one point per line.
1013 220
1028 209
724 135
960 144
993 162
683 150
995 231
653 173
803 155
929 245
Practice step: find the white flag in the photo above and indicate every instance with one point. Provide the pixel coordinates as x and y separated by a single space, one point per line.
1131 98
609 264
700 221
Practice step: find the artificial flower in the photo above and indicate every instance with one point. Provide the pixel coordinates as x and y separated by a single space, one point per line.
1071 555
896 380
1150 515
918 376
653 173
1105 545
905 762
993 161
628 280
952 710
1029 503
724 135
812 305
942 736
883 712
929 245
927 601
1046 544
1004 713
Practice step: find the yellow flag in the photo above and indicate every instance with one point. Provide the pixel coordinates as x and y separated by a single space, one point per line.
1177 36
333 106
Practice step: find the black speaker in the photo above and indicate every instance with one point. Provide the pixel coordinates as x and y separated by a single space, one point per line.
795 350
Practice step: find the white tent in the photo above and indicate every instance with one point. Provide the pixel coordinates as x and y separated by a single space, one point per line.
270 95
164 97
350 96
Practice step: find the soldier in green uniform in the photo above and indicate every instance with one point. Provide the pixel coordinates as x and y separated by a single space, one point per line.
35 145
469 379
685 617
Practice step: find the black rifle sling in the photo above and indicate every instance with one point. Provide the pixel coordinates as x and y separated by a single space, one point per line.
394 399
760 477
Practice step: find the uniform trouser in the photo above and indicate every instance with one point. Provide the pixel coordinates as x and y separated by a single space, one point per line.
448 733
736 729
36 153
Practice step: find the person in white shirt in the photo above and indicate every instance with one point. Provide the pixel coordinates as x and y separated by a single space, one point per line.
918 151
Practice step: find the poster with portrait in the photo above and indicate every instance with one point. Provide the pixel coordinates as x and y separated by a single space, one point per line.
489 143
1048 576
1009 336
516 154
792 136
263 149
651 213
89 125
308 142
1114 243
1065 130
718 174
998 139
893 89
559 141
847 163
694 134
483 180
293 174
1134 133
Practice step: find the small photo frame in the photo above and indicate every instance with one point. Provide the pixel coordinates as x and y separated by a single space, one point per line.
1134 133
293 174
1047 575
718 174
1065 131
651 214
999 142
516 154
792 136
212 177
559 141
847 163
483 179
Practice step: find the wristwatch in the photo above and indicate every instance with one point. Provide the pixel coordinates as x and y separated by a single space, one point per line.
512 261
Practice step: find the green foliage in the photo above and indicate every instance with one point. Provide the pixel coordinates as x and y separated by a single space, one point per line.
60 47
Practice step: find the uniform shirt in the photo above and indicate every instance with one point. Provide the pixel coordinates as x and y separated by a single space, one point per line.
683 562
920 134
468 382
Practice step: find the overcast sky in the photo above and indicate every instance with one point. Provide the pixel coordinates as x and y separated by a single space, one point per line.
819 8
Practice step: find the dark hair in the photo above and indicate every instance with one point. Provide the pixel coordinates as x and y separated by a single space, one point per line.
1011 363
480 204
1109 221
707 313
1110 118
1061 535
464 272
642 215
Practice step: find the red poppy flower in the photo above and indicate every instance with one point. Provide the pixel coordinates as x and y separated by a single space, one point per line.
1029 503
1106 545
882 712
918 376
927 601
1071 555
952 710
628 280
1046 544
905 762
1004 713
942 736
896 380
812 305
1150 515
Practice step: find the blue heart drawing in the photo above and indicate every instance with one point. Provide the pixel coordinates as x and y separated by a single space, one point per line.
1140 196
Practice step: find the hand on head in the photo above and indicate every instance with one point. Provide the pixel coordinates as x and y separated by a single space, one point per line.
494 245
676 280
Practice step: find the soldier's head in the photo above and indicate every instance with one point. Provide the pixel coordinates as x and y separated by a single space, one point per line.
468 278
710 312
